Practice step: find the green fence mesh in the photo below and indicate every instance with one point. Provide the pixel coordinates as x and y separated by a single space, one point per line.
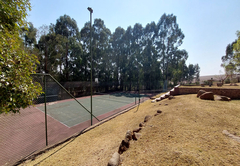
67 112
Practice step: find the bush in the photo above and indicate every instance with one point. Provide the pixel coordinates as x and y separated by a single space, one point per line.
206 82
227 81
16 64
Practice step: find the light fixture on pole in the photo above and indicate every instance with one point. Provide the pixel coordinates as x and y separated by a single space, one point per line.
91 11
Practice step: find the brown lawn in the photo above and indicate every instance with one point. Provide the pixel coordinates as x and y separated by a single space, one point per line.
187 132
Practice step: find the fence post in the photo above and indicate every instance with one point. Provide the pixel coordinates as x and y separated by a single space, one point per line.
139 96
45 102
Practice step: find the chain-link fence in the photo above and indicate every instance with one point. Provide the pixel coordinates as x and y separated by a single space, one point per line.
61 111
45 123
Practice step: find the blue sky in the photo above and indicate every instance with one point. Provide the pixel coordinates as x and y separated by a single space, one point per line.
208 25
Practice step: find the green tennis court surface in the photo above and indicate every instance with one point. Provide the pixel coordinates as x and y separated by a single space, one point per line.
70 113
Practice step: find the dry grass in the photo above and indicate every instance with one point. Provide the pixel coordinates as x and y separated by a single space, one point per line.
188 132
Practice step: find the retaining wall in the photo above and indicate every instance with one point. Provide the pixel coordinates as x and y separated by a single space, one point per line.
232 93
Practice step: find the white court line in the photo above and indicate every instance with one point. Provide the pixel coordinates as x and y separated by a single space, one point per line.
54 118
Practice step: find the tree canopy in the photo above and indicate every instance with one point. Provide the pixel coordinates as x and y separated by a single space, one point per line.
17 63
122 60
136 58
236 49
231 59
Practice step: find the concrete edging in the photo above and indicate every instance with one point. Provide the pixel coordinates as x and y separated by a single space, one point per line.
166 95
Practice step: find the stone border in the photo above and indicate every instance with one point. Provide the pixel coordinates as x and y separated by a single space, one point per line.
172 92
130 135
232 93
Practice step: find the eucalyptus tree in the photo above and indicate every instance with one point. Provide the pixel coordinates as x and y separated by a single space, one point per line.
167 40
67 27
191 72
137 34
29 35
177 66
197 73
75 54
229 52
151 65
231 59
119 58
51 48
228 58
43 46
180 73
130 75
85 56
102 60
236 49
132 58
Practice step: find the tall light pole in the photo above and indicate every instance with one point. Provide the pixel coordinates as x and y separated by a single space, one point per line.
91 11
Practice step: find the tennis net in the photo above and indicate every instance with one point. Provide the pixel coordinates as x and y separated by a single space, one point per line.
119 97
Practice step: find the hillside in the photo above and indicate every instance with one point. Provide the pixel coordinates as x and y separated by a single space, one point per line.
187 132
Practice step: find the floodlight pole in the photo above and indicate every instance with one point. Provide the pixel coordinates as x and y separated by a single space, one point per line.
91 11
45 104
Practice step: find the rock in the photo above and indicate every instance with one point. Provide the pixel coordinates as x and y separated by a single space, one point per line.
162 97
152 98
147 118
219 84
207 96
171 97
159 111
156 114
167 95
200 92
225 98
141 124
136 136
114 161
153 101
137 130
172 92
128 136
158 99
233 84
123 146
236 138
166 104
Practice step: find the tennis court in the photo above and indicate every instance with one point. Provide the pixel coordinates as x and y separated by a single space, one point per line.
25 133
70 113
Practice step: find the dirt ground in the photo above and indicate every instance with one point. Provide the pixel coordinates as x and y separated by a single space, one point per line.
187 132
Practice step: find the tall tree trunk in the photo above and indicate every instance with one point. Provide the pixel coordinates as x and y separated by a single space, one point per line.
117 79
46 55
67 70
